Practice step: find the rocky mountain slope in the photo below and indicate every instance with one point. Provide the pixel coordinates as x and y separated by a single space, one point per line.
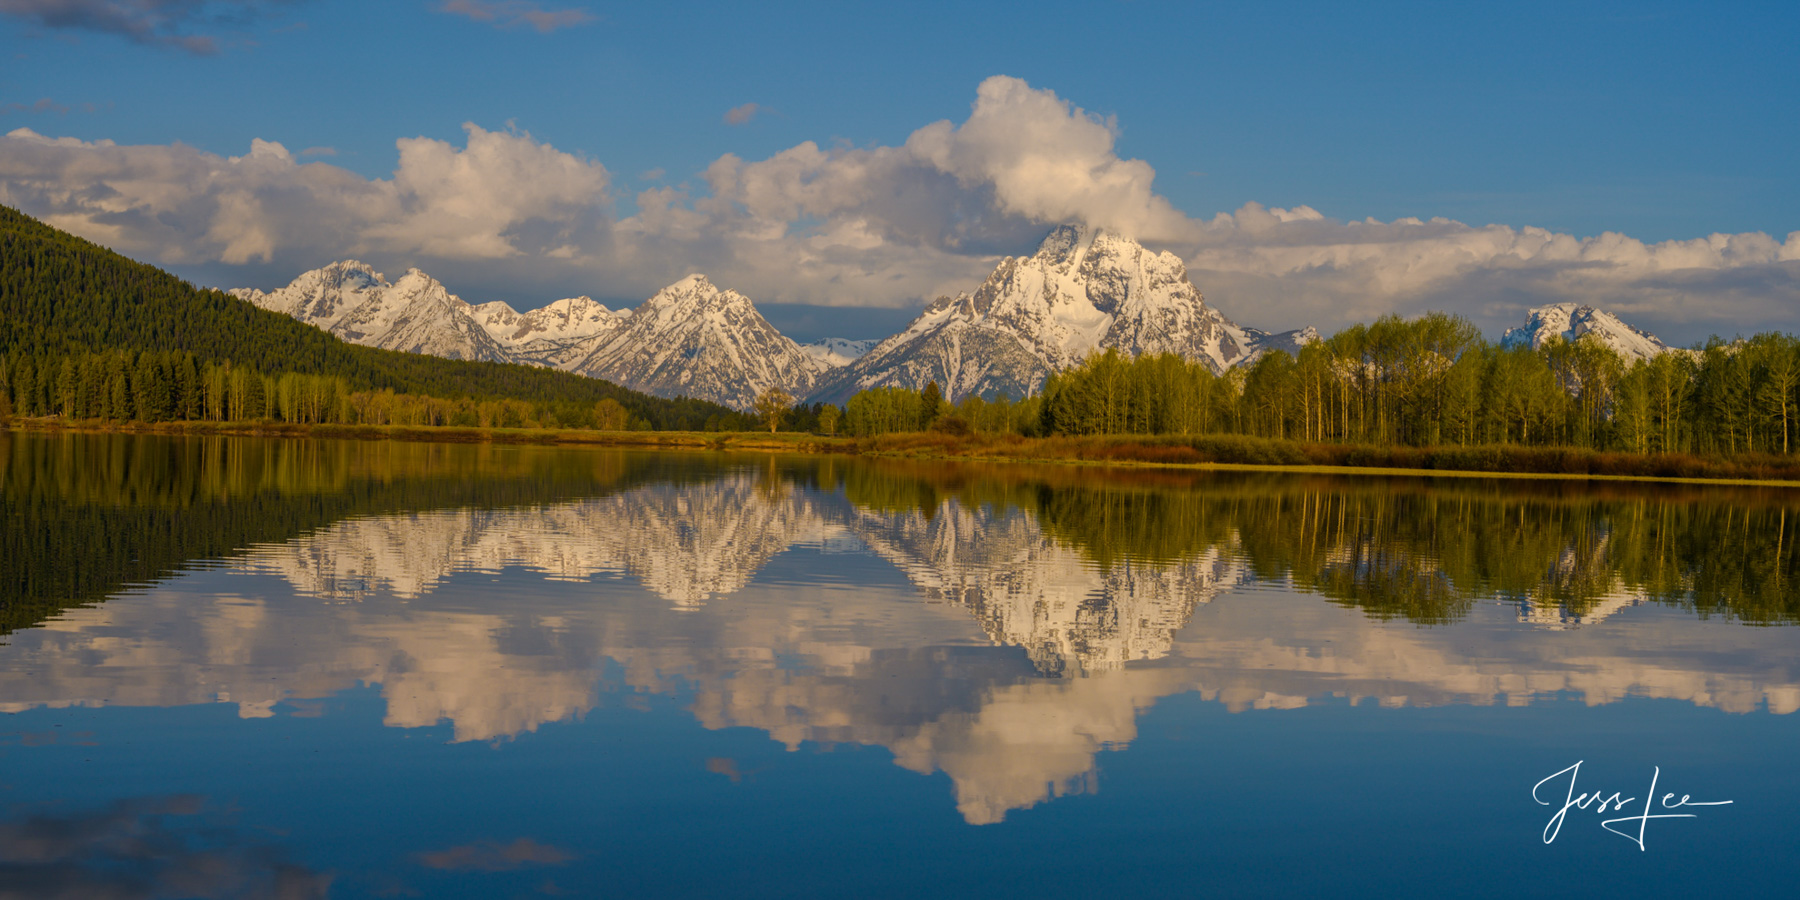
1083 290
836 351
416 314
694 339
557 335
1571 320
691 339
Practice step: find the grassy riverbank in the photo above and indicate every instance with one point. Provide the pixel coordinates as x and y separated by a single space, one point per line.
1210 451
1251 453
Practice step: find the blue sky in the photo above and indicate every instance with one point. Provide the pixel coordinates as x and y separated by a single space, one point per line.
1658 121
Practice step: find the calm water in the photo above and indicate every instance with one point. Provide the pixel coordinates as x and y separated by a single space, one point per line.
232 667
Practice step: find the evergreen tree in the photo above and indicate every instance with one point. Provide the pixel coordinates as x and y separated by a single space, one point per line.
931 402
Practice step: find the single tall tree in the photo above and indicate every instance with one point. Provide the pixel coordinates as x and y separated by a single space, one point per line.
772 406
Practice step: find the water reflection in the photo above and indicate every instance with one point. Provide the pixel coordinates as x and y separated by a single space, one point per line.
1002 626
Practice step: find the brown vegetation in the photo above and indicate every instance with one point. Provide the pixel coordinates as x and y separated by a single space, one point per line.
1203 451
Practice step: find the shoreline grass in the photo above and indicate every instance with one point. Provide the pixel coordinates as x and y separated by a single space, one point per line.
1201 453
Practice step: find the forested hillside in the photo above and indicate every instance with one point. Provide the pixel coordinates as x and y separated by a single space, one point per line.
63 297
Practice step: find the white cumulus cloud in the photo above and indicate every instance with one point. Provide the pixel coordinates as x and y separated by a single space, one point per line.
1049 161
502 195
1294 265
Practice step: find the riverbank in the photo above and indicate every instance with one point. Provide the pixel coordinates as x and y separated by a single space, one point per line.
1228 452
1239 452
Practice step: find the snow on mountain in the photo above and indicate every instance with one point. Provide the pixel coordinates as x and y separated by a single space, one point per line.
836 352
1289 341
416 314
557 335
694 339
690 339
1083 290
1571 320
570 319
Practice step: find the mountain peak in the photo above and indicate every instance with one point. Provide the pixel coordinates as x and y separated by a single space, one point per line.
348 265
1085 289
1068 245
694 290
349 274
1570 321
415 314
574 306
695 339
1061 240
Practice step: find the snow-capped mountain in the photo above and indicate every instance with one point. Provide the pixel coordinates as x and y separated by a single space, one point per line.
690 339
697 340
1571 320
557 335
415 314
836 352
1083 290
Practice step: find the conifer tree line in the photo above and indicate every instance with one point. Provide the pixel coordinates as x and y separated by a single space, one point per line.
175 386
1429 381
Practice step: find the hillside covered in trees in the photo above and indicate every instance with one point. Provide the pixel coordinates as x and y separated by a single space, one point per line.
68 302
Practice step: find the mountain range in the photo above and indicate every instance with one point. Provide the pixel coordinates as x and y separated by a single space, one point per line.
690 339
1083 290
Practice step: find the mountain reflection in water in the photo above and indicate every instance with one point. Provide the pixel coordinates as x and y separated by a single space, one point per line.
1035 614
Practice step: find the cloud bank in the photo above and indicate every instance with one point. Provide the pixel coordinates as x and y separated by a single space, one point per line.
861 226
501 195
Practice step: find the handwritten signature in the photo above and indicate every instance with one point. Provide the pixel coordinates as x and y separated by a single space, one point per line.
1600 802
